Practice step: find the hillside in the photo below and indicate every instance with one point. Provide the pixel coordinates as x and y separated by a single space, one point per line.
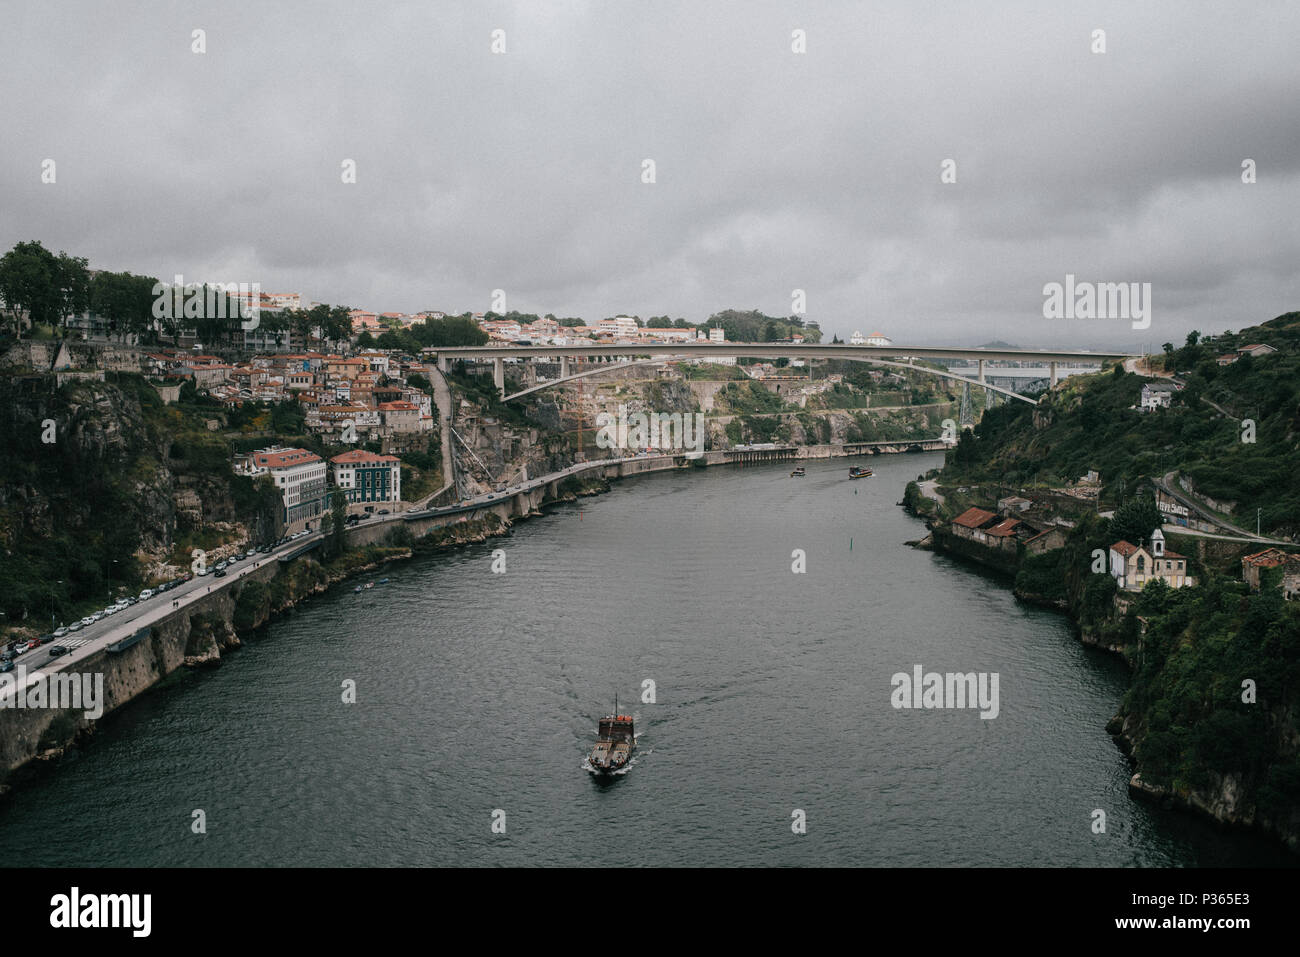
125 485
1211 718
1092 423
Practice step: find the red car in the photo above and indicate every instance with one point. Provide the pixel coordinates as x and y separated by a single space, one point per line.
34 643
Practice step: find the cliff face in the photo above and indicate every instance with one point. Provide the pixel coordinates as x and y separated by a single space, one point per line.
93 473
1211 718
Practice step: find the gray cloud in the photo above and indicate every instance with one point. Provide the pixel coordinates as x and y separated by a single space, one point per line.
775 171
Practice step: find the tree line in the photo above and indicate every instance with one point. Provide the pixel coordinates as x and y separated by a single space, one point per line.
42 288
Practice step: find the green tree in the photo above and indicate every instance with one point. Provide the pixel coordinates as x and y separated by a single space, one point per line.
29 285
1135 520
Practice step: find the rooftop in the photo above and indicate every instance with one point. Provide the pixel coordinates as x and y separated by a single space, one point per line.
974 518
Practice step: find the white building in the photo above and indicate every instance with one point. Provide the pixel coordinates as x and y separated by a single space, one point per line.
621 327
299 476
1132 566
879 339
1157 395
718 335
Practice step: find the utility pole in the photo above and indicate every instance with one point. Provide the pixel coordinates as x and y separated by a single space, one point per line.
60 582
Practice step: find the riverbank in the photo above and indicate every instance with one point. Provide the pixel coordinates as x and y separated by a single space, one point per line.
198 635
1225 797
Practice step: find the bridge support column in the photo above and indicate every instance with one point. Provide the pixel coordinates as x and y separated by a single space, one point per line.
981 373
499 375
1053 380
564 367
442 363
530 372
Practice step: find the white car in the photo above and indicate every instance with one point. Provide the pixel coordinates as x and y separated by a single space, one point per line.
110 610
146 594
60 632
87 621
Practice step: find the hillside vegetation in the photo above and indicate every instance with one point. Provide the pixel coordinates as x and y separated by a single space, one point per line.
1092 423
1211 718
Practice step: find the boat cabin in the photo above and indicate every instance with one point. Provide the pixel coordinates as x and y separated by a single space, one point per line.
617 727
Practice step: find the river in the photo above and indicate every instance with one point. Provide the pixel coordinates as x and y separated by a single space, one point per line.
477 696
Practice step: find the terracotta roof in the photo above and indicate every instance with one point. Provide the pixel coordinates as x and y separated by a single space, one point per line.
974 518
284 458
359 456
1268 558
1004 528
1124 548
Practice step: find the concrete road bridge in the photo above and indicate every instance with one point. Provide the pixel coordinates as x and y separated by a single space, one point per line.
624 354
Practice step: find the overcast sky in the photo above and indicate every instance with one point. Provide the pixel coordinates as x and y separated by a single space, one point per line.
775 171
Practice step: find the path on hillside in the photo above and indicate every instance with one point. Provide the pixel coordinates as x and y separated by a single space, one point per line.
442 399
1168 485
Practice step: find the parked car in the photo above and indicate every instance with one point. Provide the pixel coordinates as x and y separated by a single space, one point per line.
45 639
6 665
146 594
132 600
110 610
219 573
87 621
7 655
97 616
34 643
221 567
60 632
76 626
206 570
